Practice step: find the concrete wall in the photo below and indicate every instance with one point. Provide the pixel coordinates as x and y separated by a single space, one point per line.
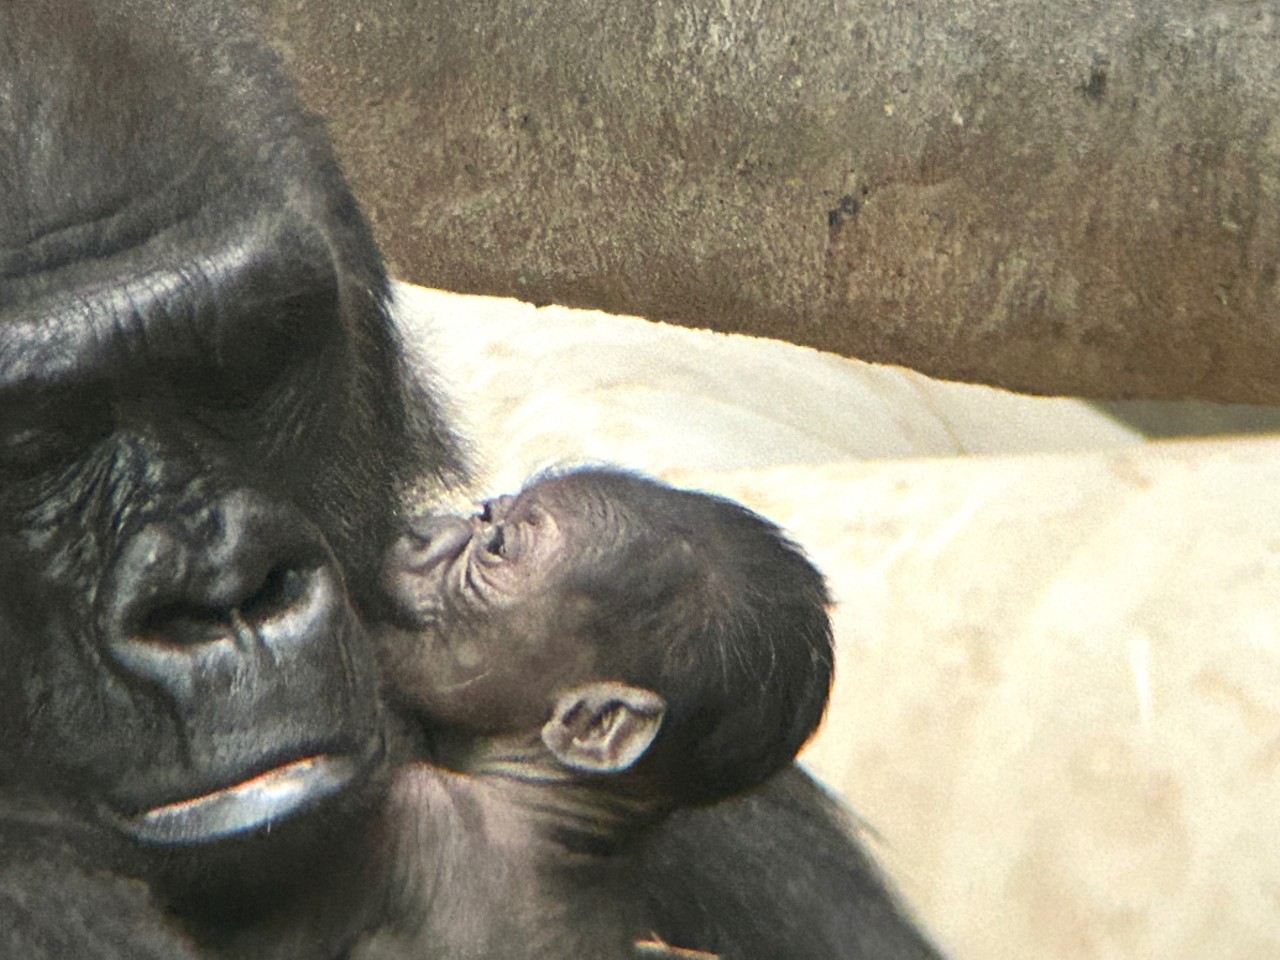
1051 195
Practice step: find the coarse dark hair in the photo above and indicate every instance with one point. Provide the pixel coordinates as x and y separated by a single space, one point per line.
713 607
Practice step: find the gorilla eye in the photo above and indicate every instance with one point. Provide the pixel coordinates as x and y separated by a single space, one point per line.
31 448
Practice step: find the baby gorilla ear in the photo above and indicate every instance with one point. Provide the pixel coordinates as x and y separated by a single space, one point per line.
603 727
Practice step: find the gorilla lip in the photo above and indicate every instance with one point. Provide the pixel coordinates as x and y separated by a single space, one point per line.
252 804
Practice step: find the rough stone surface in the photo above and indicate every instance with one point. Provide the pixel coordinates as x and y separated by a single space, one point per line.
1051 195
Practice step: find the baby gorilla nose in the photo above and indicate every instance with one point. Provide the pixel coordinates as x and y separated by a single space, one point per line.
416 563
488 532
428 544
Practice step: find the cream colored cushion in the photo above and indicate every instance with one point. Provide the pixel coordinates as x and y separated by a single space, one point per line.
1058 694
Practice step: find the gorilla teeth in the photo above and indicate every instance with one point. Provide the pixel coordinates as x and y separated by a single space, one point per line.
254 804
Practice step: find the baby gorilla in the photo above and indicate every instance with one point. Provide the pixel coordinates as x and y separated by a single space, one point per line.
589 655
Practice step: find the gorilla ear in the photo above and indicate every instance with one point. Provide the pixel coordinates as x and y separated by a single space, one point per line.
603 727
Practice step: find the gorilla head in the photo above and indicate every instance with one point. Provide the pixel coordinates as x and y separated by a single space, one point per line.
203 426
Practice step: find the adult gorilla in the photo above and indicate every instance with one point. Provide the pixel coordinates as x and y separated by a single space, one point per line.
204 433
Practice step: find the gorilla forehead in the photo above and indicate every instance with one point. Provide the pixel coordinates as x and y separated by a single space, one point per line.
95 112
121 121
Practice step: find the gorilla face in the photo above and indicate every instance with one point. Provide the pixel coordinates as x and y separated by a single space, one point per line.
203 427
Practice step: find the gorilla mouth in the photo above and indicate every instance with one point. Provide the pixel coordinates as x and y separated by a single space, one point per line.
253 804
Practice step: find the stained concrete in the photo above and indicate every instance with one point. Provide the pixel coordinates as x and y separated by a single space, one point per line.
1051 195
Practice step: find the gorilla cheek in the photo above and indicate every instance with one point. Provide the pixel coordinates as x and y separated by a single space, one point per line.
234 686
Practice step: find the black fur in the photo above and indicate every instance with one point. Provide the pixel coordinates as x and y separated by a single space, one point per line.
714 608
778 874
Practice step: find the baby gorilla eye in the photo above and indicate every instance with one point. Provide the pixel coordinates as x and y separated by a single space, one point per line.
494 509
497 544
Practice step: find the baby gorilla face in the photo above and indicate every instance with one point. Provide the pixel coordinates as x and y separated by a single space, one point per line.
490 626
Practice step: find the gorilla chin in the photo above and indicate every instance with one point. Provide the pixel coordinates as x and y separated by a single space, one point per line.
259 803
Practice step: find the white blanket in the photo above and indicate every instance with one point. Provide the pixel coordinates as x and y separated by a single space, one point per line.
1058 693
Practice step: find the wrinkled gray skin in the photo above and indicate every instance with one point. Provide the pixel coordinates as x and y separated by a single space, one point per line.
204 429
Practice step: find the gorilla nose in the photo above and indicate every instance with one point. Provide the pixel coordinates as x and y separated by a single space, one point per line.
491 511
241 618
237 573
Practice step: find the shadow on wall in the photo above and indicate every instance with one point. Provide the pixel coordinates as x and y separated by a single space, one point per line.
1060 197
1168 419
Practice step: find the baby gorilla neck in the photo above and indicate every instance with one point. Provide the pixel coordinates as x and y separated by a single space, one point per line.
598 814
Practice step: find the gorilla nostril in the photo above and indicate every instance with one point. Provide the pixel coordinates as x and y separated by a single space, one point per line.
282 588
185 622
182 624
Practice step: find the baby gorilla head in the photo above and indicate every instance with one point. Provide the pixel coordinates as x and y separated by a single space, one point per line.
626 618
